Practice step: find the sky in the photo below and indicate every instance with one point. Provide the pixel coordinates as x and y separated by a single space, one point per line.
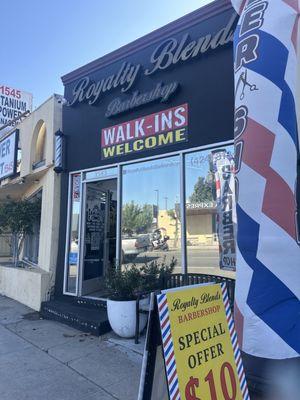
41 40
142 180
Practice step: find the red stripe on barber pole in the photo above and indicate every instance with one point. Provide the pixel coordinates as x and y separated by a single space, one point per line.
257 154
174 375
177 395
166 321
168 338
170 358
163 305
293 4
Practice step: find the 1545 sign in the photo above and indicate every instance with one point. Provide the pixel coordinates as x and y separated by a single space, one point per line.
13 103
164 128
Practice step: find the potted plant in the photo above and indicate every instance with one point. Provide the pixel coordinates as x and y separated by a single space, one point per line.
125 286
155 275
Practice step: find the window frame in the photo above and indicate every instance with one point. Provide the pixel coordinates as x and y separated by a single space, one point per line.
182 161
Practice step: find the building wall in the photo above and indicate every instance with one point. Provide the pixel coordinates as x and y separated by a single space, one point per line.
169 224
199 228
28 286
51 113
205 83
33 284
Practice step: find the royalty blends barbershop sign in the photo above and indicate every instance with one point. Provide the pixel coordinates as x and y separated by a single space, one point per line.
165 56
163 128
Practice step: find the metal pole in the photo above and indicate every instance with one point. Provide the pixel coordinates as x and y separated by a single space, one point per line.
157 205
119 221
166 200
182 215
9 123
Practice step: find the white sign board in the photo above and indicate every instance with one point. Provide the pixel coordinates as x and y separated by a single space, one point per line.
13 102
8 155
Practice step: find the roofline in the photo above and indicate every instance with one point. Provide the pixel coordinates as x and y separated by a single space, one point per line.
52 97
201 14
19 124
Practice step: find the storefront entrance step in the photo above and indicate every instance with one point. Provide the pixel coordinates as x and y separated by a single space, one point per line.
89 303
87 319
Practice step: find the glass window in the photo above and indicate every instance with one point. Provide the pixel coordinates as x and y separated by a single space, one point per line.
31 244
73 245
151 228
210 211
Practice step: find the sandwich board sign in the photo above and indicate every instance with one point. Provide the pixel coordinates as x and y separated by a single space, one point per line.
201 357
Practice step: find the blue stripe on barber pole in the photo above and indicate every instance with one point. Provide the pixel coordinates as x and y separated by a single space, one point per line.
163 314
168 347
166 332
233 336
160 297
171 367
174 386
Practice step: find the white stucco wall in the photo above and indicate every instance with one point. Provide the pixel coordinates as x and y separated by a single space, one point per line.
51 113
32 285
29 287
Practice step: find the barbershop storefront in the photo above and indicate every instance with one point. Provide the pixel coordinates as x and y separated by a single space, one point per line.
148 133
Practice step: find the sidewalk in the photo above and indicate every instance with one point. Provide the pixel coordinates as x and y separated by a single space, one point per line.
41 359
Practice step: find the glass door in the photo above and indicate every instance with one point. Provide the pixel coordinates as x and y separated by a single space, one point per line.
99 235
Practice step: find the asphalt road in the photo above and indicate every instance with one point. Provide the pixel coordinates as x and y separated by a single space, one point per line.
205 260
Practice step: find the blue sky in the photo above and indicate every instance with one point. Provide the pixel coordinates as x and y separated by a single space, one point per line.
44 39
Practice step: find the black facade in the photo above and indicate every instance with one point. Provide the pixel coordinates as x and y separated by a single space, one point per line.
204 82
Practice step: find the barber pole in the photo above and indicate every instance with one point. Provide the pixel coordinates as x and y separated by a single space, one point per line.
267 308
168 347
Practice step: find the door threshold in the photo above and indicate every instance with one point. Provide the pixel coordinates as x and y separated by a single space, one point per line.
95 298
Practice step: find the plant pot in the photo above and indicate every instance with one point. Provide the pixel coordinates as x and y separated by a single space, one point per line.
122 317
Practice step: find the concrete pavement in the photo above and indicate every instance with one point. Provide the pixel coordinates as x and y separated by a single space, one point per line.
41 359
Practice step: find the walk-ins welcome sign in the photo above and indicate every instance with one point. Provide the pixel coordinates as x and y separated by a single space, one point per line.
164 128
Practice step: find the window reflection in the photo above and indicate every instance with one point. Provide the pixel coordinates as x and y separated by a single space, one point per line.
73 248
150 212
210 216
